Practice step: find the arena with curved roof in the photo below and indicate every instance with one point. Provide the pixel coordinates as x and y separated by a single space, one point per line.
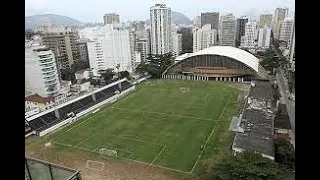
220 63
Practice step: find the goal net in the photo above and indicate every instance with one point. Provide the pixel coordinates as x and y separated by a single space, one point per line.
108 152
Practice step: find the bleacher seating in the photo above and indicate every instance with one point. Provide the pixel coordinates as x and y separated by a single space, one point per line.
125 85
45 121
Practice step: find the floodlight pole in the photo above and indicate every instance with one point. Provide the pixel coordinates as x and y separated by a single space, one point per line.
119 74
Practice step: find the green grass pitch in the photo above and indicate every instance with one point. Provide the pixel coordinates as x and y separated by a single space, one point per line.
162 123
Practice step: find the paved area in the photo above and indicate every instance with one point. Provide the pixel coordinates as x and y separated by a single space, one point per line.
284 91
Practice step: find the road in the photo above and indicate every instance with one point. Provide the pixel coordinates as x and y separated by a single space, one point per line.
283 88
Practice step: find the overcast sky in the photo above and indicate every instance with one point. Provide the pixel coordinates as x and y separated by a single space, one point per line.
93 10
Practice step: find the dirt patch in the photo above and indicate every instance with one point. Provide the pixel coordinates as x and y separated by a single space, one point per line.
184 89
113 169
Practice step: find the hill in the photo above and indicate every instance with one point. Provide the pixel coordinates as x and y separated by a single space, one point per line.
36 20
177 18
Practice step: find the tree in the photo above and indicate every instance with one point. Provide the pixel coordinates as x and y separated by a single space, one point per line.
246 165
68 75
125 74
156 64
107 75
284 152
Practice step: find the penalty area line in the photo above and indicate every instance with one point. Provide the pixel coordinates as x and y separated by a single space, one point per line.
158 154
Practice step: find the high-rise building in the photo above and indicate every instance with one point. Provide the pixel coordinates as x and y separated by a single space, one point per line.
240 29
139 25
111 18
132 42
251 35
109 46
41 74
265 20
176 43
264 37
63 43
210 18
292 44
227 30
279 15
204 37
83 51
142 46
161 38
285 29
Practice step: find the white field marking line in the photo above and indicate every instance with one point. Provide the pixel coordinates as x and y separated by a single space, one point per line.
144 115
191 117
158 154
97 162
78 124
225 106
132 139
85 140
156 165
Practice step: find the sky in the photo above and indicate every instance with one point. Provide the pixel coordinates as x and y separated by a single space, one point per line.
93 10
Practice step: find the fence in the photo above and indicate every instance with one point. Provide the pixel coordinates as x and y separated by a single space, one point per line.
36 169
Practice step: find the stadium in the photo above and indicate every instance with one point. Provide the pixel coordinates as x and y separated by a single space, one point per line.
174 124
219 63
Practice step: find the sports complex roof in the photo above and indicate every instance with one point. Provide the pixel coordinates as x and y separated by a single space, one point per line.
227 51
231 52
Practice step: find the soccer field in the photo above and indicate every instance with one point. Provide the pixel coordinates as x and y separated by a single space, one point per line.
166 123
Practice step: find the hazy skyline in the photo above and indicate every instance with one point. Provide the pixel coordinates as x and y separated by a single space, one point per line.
93 10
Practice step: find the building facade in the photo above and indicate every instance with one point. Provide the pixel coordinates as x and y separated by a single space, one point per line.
109 46
292 45
279 15
227 30
111 18
37 101
83 51
176 43
41 74
286 29
264 39
240 29
204 38
265 20
210 18
142 46
161 37
250 38
63 43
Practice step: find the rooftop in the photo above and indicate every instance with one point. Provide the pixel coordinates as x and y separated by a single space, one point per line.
262 90
39 99
256 127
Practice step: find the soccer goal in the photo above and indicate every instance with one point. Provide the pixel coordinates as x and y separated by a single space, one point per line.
108 152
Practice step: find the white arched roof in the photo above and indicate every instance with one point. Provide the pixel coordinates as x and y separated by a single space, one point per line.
231 52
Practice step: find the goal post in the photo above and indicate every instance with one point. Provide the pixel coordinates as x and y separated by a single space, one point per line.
108 152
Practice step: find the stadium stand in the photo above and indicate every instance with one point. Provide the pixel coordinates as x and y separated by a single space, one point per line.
49 119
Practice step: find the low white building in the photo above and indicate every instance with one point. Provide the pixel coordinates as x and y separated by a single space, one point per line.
82 87
82 74
36 101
